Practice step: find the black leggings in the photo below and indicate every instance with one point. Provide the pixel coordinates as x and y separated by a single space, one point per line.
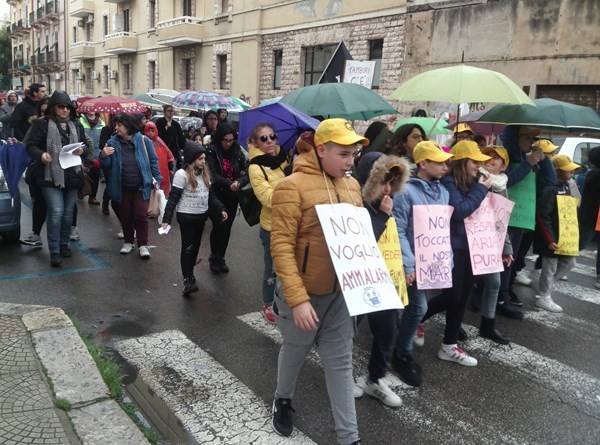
38 211
454 300
191 227
221 231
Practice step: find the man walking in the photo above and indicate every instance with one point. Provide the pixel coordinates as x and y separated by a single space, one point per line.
20 120
171 133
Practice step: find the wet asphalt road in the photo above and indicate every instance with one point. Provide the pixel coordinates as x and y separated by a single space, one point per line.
543 389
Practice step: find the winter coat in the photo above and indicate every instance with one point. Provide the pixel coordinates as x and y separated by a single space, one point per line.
19 120
146 159
590 192
416 192
220 184
37 145
464 205
264 187
300 253
173 137
547 218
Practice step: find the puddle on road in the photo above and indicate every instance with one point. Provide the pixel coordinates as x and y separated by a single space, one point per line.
123 328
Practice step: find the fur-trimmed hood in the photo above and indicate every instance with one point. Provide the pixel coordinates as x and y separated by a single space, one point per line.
371 172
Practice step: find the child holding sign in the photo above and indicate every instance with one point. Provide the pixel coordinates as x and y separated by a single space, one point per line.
381 177
467 189
424 189
557 239
309 305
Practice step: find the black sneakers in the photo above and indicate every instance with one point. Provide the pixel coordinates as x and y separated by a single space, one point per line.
189 286
509 311
407 369
282 417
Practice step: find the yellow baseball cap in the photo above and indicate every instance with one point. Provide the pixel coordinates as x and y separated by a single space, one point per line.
468 150
500 151
429 151
463 127
339 131
546 145
563 162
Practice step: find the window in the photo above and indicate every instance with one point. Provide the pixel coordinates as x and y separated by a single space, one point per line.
376 55
278 62
127 78
187 8
104 25
126 19
152 13
224 6
88 80
187 74
74 36
315 60
151 75
105 80
89 31
222 71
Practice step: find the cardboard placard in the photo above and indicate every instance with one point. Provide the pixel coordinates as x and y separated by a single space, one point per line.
568 227
389 246
523 195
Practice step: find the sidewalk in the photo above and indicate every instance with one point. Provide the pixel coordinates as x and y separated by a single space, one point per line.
34 339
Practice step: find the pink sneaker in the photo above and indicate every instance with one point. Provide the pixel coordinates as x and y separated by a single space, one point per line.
267 312
419 339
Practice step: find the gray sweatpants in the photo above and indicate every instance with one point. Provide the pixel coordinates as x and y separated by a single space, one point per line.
333 339
554 268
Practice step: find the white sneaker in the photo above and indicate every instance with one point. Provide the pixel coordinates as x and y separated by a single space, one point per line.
522 278
358 391
127 248
144 252
382 392
547 303
565 278
457 355
120 235
74 234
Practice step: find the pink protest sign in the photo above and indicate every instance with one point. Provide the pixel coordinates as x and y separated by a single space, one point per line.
486 231
433 252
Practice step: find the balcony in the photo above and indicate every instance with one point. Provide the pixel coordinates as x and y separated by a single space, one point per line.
180 31
122 42
42 19
116 1
12 2
81 8
82 50
53 11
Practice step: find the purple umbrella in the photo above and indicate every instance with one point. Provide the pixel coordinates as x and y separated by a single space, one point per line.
13 160
287 122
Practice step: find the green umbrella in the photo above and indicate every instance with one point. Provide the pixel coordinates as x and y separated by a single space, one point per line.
240 103
430 125
345 100
460 84
547 113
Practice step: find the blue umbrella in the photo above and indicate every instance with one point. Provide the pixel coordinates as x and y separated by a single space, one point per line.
287 122
13 160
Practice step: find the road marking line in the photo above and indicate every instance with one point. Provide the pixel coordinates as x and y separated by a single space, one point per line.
209 401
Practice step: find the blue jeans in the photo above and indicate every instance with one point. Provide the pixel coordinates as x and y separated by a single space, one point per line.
485 294
411 317
60 203
268 283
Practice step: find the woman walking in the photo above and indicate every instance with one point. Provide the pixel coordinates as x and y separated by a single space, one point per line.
228 169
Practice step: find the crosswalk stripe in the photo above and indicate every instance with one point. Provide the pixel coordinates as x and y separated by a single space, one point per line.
591 254
209 401
579 268
576 291
418 411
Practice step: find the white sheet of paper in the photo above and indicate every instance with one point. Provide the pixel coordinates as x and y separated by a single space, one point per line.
164 231
66 158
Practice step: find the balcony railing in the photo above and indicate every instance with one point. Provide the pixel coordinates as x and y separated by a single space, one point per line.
185 30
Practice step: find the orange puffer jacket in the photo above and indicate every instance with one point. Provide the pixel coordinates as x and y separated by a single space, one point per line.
298 246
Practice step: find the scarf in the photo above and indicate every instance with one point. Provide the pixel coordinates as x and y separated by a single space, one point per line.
53 171
498 181
272 162
93 122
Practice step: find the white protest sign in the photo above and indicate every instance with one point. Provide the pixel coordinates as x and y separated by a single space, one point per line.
359 266
359 72
486 231
433 251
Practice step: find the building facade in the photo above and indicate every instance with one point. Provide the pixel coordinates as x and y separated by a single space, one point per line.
265 48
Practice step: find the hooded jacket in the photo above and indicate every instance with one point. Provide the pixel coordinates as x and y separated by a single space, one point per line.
93 133
216 156
19 119
370 173
547 218
416 192
519 167
264 186
590 195
300 253
6 111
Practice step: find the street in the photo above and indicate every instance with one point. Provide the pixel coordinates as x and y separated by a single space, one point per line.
543 388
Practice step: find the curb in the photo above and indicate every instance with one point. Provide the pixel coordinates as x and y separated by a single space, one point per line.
72 373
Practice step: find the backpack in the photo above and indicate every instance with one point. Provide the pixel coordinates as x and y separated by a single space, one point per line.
249 204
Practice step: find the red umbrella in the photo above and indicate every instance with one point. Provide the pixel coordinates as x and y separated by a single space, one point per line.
112 105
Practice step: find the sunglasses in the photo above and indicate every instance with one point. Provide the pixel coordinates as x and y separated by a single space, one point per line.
265 138
228 140
62 106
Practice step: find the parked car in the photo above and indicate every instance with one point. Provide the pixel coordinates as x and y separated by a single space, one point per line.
10 213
